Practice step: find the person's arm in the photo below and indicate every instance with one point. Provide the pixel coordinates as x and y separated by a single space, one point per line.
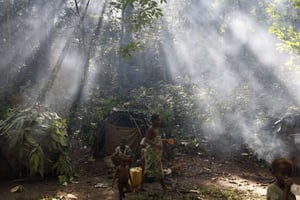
285 194
149 137
117 151
165 141
287 188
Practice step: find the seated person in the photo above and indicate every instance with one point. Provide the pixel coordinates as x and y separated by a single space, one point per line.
282 171
122 151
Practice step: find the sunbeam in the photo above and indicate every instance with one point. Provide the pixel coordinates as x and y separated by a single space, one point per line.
226 65
210 87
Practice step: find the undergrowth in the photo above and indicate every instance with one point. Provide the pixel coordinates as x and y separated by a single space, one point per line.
202 193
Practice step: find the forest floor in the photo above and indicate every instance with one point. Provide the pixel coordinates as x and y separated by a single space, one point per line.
198 177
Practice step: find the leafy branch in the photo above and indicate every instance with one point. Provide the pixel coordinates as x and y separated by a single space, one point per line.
36 137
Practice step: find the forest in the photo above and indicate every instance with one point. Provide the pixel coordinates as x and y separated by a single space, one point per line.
223 75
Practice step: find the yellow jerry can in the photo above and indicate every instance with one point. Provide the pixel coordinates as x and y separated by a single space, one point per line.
136 176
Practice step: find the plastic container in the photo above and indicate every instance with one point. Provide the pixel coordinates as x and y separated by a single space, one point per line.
295 189
136 174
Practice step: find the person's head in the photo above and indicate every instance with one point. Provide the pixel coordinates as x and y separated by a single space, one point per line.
155 120
124 162
281 169
123 144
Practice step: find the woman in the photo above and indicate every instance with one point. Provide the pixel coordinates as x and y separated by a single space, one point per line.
153 153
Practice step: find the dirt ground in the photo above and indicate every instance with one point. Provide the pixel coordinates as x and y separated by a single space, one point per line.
198 177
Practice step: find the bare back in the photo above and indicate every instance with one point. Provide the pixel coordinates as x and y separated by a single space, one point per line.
122 173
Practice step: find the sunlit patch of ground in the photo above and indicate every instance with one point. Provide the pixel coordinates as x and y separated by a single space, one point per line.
199 177
241 184
209 178
200 193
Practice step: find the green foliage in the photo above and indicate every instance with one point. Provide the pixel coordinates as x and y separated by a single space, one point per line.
288 36
283 26
95 111
36 163
296 4
175 104
179 105
63 169
36 137
127 50
136 16
189 145
144 12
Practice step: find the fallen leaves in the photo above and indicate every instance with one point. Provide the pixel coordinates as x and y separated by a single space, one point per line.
18 188
71 196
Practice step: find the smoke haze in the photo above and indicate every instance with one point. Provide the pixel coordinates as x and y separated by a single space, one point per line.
224 47
224 52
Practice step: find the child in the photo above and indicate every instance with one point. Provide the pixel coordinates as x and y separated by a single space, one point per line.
282 171
123 175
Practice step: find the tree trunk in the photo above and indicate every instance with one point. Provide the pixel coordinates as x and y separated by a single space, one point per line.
125 38
87 52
